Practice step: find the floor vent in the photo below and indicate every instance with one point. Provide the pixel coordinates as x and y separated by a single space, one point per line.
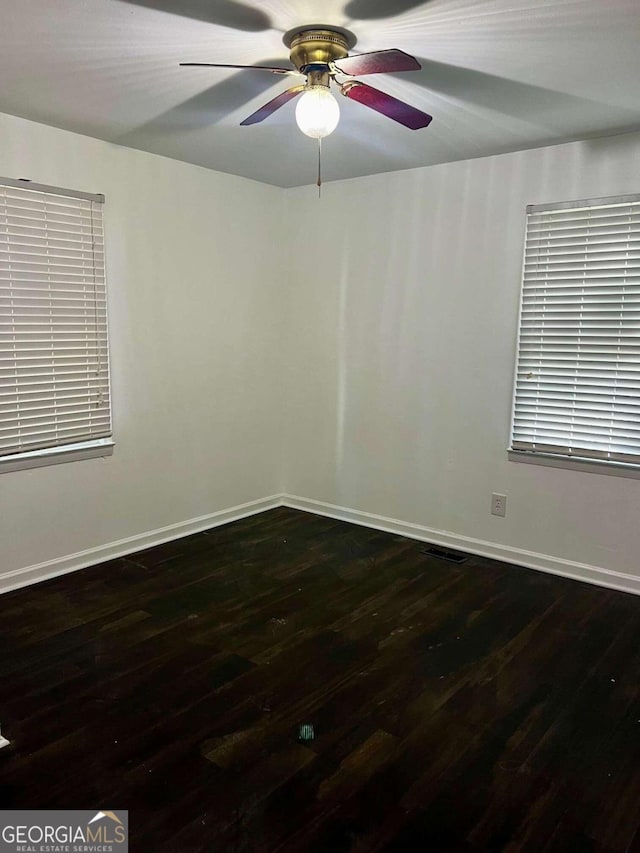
444 554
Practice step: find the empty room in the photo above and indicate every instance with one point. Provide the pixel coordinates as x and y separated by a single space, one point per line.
320 426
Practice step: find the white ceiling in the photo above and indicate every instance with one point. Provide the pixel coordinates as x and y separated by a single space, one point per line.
497 75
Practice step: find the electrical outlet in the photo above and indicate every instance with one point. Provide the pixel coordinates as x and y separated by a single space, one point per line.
499 505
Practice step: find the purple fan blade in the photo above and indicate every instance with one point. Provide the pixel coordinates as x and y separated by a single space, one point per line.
379 62
387 105
269 108
270 68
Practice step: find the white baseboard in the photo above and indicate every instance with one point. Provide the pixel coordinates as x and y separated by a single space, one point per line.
123 547
529 559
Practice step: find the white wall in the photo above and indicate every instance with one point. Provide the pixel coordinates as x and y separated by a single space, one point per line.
365 361
195 325
403 308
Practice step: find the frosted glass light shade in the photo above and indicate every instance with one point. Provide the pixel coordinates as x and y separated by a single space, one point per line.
317 112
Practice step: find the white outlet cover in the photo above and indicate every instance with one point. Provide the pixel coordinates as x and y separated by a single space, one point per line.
498 505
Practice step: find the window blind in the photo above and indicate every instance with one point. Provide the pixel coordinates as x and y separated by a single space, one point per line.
54 367
577 388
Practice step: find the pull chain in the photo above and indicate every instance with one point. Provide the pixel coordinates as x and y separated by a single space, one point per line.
319 167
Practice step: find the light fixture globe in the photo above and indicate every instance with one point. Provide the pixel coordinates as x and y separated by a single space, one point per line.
317 112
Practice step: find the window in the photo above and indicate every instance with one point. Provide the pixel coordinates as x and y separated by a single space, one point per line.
577 388
54 366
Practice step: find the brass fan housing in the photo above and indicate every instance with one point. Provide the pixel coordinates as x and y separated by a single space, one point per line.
318 45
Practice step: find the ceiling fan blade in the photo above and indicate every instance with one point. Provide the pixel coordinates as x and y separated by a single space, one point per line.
379 62
272 69
387 105
269 108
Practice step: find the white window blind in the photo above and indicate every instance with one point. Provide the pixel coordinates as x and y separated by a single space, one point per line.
54 367
577 390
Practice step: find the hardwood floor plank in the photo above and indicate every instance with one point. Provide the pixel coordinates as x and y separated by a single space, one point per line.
449 707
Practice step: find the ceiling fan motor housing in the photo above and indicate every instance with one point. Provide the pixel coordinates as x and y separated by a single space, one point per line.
317 47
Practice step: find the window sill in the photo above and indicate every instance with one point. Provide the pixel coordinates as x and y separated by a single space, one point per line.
589 466
57 455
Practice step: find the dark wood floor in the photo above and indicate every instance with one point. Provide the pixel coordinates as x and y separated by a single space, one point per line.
473 707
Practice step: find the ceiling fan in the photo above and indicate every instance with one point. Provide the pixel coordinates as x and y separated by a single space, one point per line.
320 54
